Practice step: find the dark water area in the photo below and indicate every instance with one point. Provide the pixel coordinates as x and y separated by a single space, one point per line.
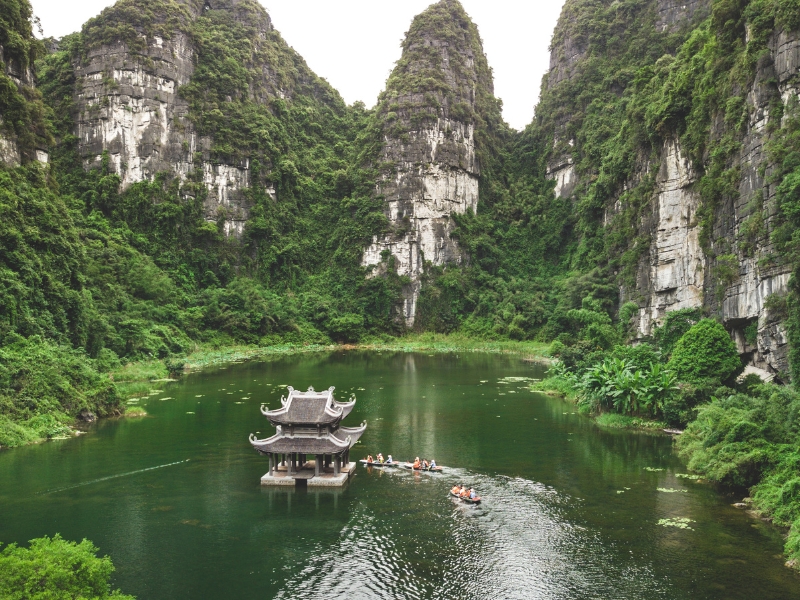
570 511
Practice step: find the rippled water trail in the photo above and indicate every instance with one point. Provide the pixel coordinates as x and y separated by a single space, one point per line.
570 511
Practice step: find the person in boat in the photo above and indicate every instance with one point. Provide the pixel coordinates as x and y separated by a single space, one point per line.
464 493
380 458
456 491
472 494
389 460
416 464
433 463
369 459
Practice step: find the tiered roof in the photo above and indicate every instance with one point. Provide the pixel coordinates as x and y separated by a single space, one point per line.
309 423
309 409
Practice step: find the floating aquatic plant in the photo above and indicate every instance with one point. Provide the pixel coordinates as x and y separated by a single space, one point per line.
679 522
670 490
652 469
688 476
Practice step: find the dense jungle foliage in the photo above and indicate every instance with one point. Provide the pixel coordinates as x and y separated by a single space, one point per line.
93 277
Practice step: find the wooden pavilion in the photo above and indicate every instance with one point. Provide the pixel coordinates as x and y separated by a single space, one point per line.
309 424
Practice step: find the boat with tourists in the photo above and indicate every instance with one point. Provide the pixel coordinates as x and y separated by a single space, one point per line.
465 494
428 469
380 465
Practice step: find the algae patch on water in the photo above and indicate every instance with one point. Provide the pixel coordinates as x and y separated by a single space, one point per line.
679 522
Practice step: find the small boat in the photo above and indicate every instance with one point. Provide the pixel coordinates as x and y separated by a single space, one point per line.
383 465
410 466
467 500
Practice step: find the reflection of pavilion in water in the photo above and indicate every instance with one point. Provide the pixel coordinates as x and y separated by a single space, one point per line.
289 498
308 423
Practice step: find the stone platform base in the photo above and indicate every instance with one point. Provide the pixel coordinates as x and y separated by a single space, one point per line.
326 478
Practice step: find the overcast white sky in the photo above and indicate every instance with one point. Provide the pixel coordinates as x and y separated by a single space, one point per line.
355 43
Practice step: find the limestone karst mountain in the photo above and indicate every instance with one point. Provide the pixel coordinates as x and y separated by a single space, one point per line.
143 94
437 113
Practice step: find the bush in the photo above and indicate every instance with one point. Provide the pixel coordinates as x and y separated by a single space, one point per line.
56 569
348 328
706 351
681 408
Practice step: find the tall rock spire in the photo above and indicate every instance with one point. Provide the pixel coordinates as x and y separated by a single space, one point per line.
433 113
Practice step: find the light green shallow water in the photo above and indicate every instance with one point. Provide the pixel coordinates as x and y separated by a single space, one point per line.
552 524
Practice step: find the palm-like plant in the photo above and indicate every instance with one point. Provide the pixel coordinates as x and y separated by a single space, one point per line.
616 385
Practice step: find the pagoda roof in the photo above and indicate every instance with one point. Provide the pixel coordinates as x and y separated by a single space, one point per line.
309 408
309 442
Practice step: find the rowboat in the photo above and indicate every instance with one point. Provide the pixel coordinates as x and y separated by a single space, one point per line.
467 500
382 465
410 466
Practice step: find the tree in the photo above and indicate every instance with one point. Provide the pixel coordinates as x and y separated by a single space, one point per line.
56 569
705 352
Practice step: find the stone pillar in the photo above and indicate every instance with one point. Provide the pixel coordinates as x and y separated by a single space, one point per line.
270 464
317 460
337 459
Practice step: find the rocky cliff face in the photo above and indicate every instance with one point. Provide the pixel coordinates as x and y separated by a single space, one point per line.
569 48
734 272
127 105
19 75
128 102
429 144
739 274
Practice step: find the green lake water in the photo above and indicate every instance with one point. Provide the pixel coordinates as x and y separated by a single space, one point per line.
570 510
